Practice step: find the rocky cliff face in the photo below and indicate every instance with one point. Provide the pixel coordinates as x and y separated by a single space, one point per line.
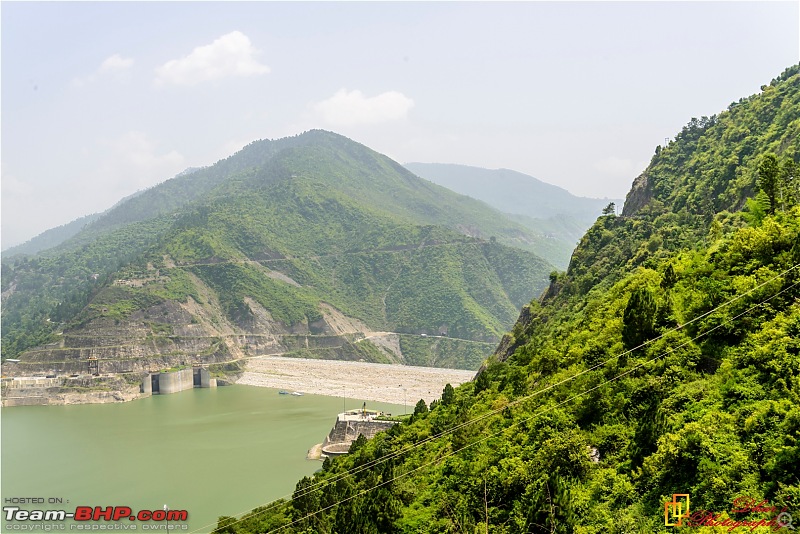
639 195
509 343
70 390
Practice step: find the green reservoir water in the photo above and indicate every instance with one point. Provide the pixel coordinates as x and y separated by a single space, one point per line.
211 452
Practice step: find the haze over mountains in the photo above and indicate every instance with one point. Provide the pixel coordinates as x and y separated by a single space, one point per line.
544 208
512 191
556 218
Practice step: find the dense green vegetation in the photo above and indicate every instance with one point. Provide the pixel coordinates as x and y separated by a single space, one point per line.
665 360
393 276
44 291
261 240
444 351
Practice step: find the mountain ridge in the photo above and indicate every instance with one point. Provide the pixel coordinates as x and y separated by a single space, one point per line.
262 240
469 180
544 208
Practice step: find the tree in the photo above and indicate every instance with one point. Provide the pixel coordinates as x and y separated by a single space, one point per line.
482 381
768 173
790 185
638 320
420 408
448 395
611 209
359 443
669 279
305 502
226 525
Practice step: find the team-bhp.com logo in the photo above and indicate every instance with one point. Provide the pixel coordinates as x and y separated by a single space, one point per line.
678 514
87 516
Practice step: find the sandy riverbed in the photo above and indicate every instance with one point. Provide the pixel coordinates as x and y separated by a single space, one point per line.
396 384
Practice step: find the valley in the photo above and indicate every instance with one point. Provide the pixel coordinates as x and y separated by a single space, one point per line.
290 267
675 315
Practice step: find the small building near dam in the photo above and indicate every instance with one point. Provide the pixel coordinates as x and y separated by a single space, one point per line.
349 425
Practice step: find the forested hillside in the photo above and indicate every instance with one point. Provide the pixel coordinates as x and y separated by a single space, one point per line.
665 360
298 246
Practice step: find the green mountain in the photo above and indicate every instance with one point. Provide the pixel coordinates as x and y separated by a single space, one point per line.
546 209
665 361
300 246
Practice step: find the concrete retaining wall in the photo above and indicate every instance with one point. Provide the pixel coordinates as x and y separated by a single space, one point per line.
147 385
336 449
25 401
347 431
31 382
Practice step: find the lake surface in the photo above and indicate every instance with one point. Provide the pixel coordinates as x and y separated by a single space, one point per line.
211 452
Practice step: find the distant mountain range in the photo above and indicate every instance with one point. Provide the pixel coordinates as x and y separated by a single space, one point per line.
544 208
555 218
512 191
298 246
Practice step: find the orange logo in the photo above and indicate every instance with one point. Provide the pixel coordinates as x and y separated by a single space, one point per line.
677 510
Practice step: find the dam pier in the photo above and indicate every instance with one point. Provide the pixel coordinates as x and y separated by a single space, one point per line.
167 382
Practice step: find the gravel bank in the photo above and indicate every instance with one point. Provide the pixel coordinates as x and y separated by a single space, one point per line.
358 380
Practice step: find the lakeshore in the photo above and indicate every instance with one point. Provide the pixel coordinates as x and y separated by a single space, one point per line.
394 384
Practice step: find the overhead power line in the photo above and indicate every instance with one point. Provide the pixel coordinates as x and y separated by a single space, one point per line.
271 504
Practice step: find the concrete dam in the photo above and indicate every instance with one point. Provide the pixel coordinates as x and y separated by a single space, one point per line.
168 382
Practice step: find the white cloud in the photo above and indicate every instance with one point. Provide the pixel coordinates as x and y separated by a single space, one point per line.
115 66
116 63
230 55
133 163
353 108
14 187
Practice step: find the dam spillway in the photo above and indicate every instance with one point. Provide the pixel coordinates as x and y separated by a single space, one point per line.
167 382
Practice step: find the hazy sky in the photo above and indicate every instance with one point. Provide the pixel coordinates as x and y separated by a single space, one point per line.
100 100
